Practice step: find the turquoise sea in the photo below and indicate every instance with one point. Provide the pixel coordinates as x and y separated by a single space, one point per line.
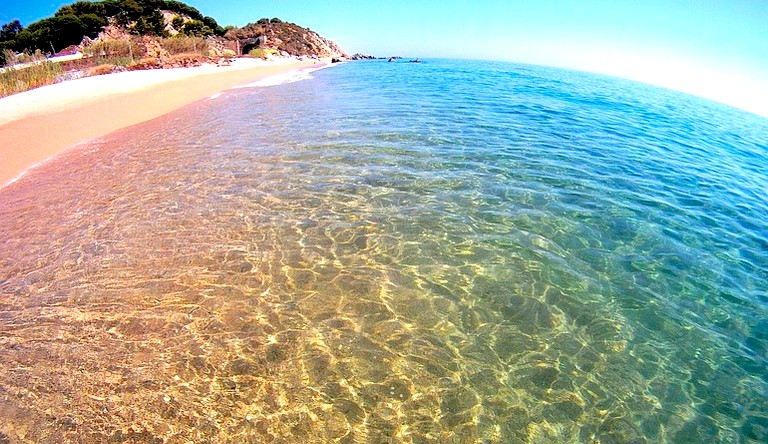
442 252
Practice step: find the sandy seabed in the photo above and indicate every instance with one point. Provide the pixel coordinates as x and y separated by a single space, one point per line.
38 124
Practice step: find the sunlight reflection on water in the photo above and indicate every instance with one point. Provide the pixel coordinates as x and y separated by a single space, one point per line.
446 252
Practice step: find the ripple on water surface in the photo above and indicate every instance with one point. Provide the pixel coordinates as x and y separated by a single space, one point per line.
441 252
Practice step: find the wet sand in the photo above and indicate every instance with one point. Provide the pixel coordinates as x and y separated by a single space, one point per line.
38 124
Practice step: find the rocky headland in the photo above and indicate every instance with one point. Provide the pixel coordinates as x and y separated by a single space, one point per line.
287 39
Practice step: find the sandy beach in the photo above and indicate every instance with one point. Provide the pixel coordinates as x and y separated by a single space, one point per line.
38 124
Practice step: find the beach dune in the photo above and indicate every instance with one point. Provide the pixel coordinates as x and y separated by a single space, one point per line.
38 124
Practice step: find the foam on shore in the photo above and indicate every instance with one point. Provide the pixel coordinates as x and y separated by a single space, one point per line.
288 77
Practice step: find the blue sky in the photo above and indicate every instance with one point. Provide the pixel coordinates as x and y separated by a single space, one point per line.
713 48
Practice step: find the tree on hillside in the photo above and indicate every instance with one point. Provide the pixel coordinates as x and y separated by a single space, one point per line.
177 22
151 24
68 30
151 5
196 28
93 23
124 11
8 34
23 40
10 30
211 23
182 8
82 8
55 33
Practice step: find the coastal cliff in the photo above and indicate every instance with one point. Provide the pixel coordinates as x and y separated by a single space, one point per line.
284 37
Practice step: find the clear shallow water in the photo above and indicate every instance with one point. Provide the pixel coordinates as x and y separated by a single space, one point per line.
437 252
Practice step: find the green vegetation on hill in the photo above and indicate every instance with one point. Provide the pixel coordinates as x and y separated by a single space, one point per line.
109 24
71 23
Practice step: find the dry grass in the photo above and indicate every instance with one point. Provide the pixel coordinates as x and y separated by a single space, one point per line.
185 45
189 56
37 72
258 52
114 51
126 52
102 69
100 57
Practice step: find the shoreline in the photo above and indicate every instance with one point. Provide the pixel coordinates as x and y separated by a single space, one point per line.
38 124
